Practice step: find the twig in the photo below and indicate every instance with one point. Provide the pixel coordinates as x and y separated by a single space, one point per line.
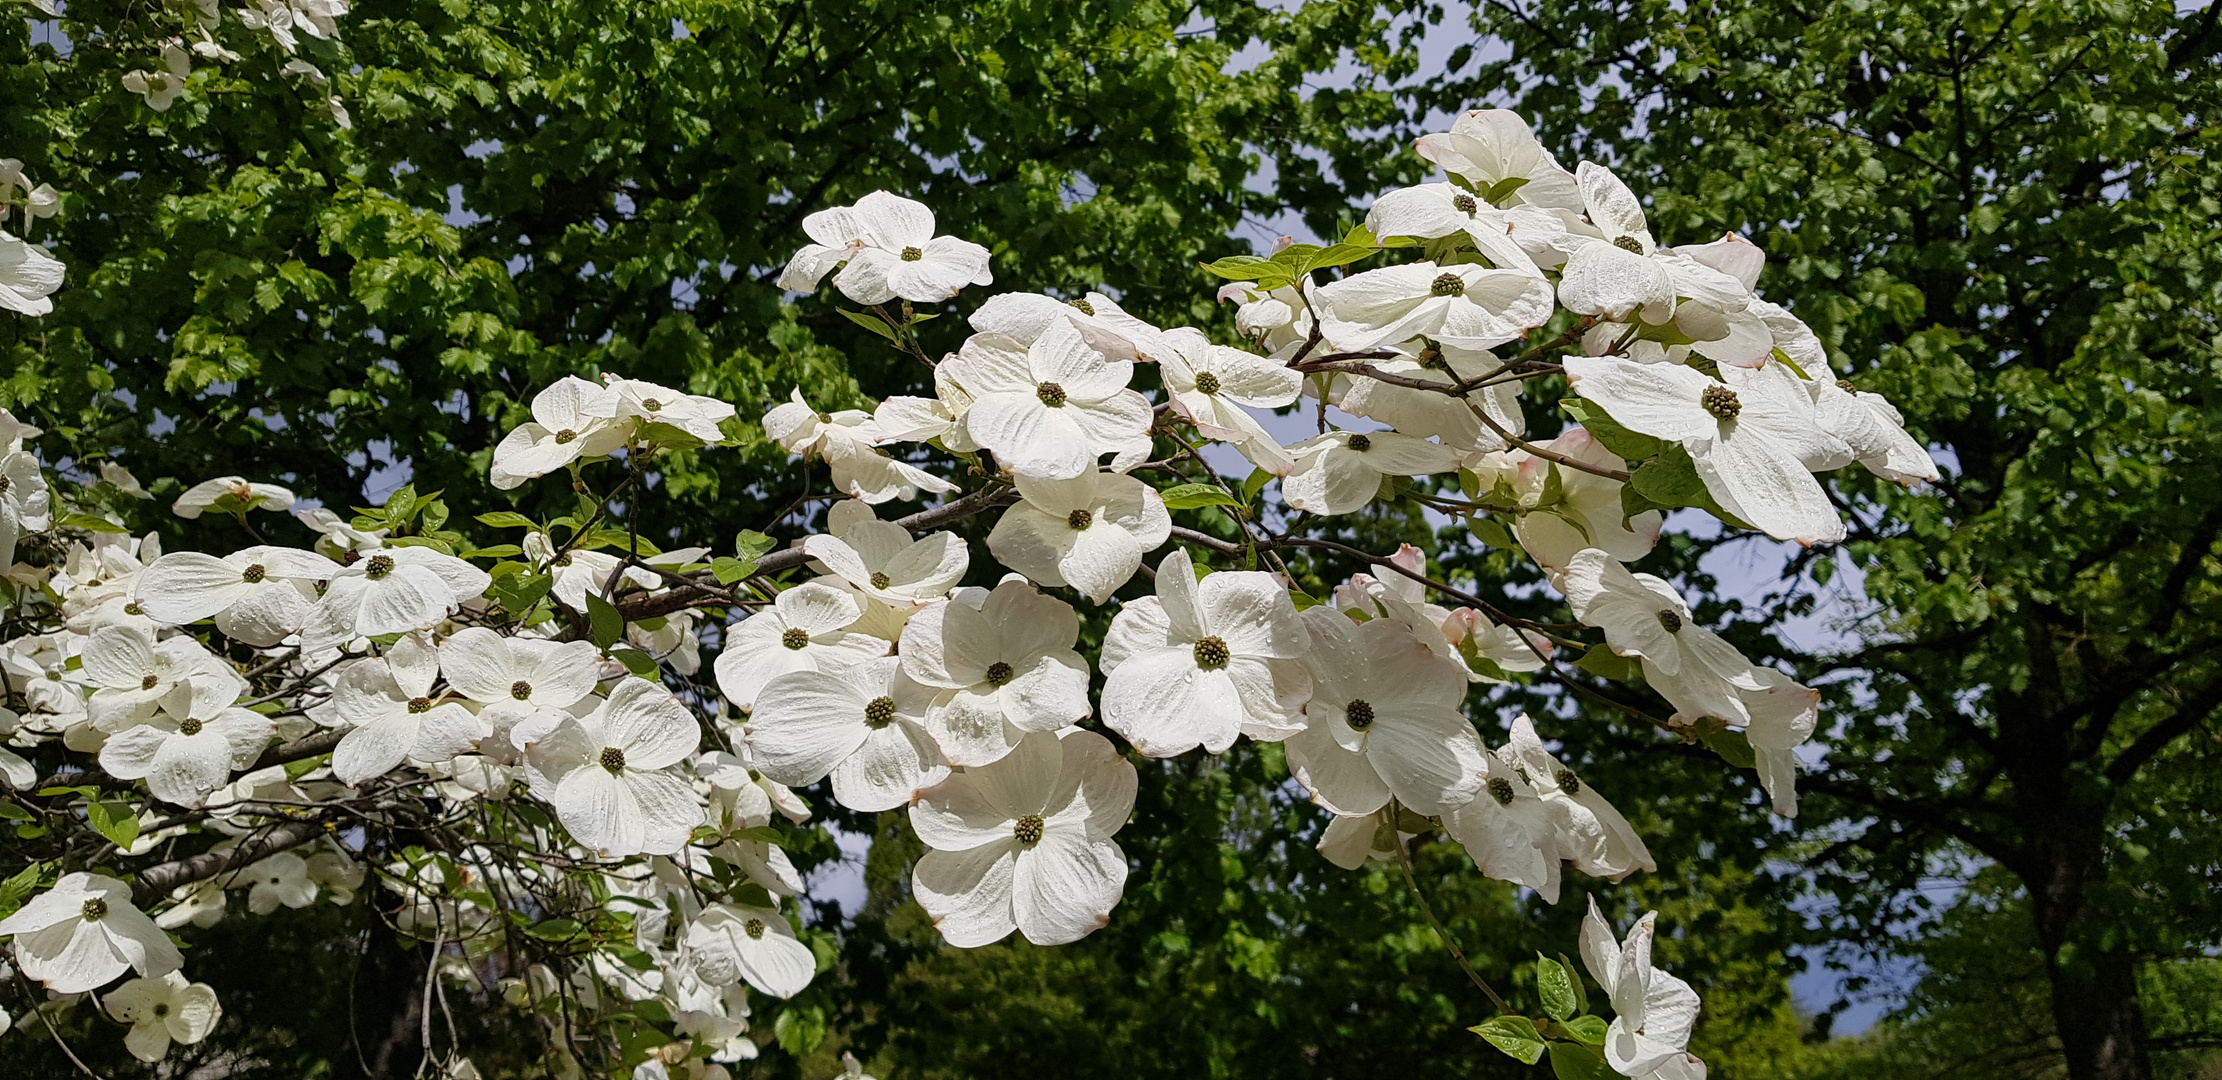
1404 863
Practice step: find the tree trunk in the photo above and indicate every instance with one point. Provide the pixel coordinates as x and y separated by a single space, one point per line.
2094 980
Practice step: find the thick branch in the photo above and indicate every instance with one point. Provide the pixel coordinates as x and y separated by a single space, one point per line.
156 882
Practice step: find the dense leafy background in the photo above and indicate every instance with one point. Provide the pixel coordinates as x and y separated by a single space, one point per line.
2000 214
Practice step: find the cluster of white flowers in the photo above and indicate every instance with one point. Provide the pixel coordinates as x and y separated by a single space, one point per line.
538 687
284 21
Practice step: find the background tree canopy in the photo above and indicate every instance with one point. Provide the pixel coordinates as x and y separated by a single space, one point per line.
2002 215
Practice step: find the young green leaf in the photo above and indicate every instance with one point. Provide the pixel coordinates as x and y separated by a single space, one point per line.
606 625
1515 1035
1192 496
1553 983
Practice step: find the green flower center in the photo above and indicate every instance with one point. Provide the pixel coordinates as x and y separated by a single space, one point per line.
1028 829
911 254
1360 715
1211 652
881 580
565 436
1846 386
1567 782
1628 243
150 682
378 567
133 609
795 638
521 690
1361 443
1082 305
1207 383
879 712
94 910
1051 394
613 759
420 704
1448 285
754 927
1721 402
651 404
1670 620
189 726
1000 673
1080 519
161 1009
1500 789
253 574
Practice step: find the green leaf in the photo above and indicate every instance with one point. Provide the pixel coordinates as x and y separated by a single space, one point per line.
873 323
1609 433
91 523
294 770
1489 531
555 929
602 619
114 820
506 519
1501 190
1192 496
1244 268
498 551
1554 983
1589 1029
1515 1035
1256 483
800 1029
669 437
1338 255
1573 1061
760 833
1671 481
12 812
15 889
1732 746
1792 365
441 546
635 661
729 570
517 593
750 545
1602 662
1581 993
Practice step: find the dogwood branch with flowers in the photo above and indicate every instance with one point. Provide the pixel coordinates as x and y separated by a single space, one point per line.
604 835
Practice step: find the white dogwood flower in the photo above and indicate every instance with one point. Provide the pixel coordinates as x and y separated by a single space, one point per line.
881 560
1467 305
1089 532
163 1010
1873 432
84 932
1506 829
1752 434
629 401
560 432
806 629
1008 665
732 942
393 590
1204 661
160 89
392 716
282 880
1383 721
890 249
258 595
1590 832
866 726
182 759
1341 471
242 494
133 676
1025 843
1782 718
516 676
1214 386
1488 147
1589 514
25 501
608 774
1644 616
847 440
28 275
1654 1011
1425 413
1025 317
1052 408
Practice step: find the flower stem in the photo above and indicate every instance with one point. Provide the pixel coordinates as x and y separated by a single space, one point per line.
1404 863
